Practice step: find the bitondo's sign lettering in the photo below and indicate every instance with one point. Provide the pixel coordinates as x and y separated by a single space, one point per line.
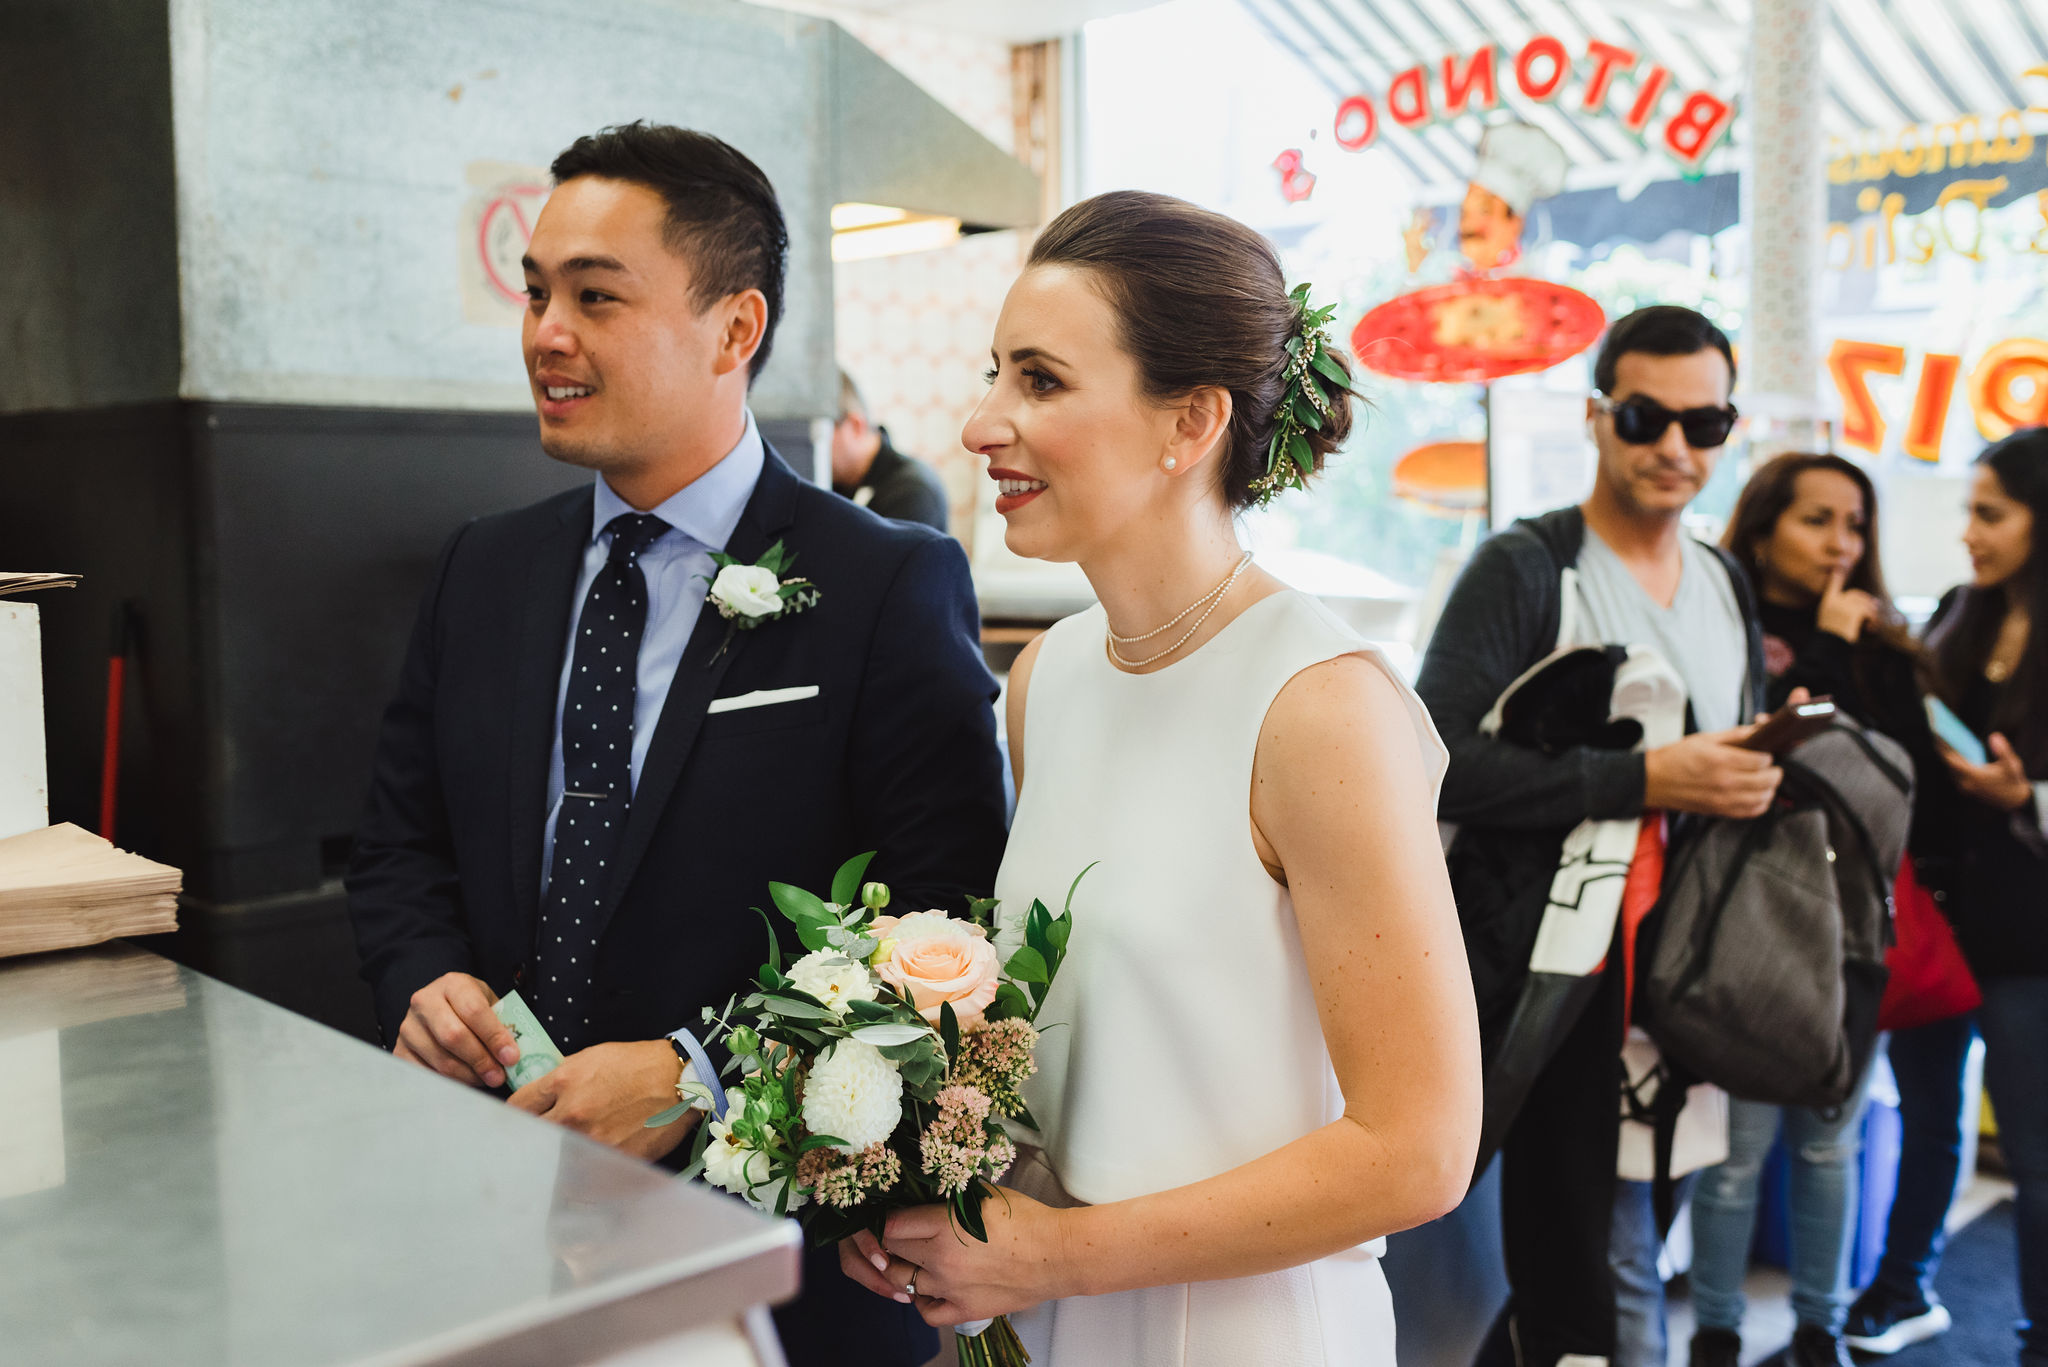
1542 70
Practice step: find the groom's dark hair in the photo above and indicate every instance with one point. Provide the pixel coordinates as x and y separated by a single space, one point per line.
722 212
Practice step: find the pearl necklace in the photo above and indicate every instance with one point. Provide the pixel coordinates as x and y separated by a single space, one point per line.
1211 600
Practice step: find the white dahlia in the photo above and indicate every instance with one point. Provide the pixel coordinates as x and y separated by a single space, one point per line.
853 1094
833 979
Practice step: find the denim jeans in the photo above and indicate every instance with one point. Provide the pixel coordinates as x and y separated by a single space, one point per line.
2014 1019
1632 1249
1823 1148
1928 1063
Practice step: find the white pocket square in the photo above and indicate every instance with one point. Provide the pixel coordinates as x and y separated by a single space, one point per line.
761 697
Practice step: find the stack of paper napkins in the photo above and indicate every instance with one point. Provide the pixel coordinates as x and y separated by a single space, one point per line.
62 886
14 581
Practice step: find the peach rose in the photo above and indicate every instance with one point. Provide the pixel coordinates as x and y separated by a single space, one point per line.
935 959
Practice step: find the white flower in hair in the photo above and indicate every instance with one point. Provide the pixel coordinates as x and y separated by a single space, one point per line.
853 1094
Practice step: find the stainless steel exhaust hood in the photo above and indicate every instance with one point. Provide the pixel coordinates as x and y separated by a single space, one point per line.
897 146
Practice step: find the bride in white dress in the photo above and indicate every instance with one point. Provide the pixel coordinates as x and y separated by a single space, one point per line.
1268 1057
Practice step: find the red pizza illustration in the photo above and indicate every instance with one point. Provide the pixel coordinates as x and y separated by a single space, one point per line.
1477 329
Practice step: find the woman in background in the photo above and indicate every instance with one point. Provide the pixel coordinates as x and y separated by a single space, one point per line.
1806 527
1992 670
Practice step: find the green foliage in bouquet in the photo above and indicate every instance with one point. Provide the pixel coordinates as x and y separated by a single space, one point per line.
839 1035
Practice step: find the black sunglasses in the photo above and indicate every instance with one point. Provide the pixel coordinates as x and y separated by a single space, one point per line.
1641 422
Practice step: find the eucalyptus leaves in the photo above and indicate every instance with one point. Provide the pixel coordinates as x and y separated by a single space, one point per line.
1314 384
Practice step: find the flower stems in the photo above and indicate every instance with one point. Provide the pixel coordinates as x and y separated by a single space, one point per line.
995 1346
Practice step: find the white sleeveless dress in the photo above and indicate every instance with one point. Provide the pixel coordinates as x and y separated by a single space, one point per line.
1188 1042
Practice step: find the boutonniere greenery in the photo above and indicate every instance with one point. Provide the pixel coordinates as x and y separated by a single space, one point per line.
748 595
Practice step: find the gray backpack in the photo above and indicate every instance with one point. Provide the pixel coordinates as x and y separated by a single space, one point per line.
1762 965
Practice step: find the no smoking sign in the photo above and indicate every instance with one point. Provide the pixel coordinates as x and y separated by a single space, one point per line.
497 223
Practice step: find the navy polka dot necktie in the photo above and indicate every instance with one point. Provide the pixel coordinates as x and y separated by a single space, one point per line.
597 779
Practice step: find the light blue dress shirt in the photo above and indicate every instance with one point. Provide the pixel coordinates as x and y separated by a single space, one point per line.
678 568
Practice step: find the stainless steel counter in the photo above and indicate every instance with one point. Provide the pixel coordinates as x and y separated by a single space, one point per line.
189 1175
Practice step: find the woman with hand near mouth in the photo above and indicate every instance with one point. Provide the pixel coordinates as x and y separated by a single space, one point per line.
1806 529
1269 1057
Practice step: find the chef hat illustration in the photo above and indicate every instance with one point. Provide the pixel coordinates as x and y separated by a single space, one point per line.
1520 163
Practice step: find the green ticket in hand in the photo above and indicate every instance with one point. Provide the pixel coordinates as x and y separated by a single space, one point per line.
538 1055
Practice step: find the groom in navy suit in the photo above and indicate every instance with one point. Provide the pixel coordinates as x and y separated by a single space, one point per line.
588 776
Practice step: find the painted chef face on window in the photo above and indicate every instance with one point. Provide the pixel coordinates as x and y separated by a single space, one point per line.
1489 230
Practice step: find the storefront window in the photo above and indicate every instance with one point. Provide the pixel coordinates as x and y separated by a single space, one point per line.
1933 303
1192 98
1196 98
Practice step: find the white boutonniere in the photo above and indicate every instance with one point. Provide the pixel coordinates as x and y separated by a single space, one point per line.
748 595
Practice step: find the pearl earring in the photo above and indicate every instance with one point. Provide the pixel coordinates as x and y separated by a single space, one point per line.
1170 462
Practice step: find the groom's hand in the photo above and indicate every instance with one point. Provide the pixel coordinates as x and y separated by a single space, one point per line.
451 1029
609 1091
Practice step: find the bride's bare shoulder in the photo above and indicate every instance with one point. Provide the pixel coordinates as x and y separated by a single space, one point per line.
1336 712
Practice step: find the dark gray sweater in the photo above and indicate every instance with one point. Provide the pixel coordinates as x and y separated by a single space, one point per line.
1501 618
1514 805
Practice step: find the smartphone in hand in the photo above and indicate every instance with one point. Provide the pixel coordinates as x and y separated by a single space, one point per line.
1950 730
1791 726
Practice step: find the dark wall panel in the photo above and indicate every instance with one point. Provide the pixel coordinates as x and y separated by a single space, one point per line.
275 557
109 494
324 526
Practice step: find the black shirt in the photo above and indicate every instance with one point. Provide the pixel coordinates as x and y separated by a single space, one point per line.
2000 908
906 490
1878 685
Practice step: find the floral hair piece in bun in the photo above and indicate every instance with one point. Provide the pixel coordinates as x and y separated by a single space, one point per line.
1312 378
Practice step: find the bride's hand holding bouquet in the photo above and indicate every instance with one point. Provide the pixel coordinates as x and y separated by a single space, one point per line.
1021 1262
869 1088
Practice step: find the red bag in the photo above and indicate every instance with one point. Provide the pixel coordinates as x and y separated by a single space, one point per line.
1929 980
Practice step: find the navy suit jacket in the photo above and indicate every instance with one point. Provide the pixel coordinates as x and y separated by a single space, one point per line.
896 753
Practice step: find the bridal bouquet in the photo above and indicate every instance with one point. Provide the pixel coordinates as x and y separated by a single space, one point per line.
875 1072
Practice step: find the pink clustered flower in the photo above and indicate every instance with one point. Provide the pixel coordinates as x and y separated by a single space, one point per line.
995 1059
879 1167
844 1181
961 1145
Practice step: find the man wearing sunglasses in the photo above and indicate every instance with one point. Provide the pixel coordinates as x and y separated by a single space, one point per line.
1580 1260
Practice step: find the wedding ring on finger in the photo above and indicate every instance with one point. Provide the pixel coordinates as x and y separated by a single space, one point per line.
910 1287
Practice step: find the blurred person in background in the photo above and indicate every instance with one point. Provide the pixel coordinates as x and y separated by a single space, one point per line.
1992 669
868 469
1900 1308
1581 1244
1805 528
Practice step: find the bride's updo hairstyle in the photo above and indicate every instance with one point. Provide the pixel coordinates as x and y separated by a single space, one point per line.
1200 302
